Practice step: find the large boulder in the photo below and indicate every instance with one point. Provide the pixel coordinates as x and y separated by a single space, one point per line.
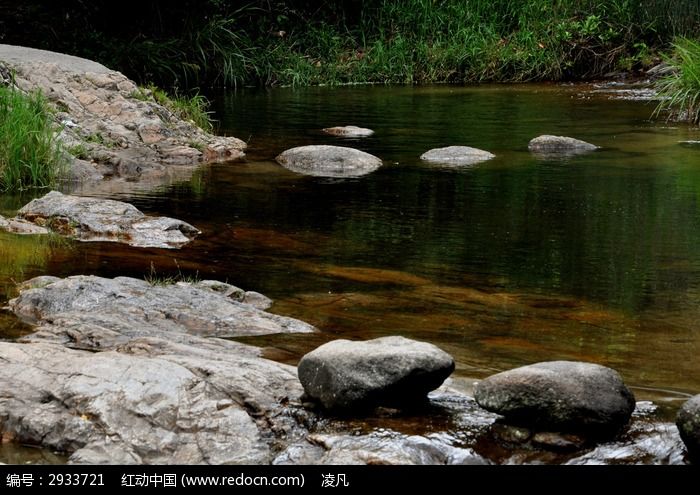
120 371
94 219
456 155
548 144
688 423
559 396
348 131
149 401
329 161
346 375
104 116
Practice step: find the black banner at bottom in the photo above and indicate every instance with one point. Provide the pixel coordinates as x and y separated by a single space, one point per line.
332 478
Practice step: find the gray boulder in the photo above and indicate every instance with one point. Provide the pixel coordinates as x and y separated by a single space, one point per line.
456 155
119 371
559 395
343 375
93 219
329 161
688 423
119 127
547 144
349 131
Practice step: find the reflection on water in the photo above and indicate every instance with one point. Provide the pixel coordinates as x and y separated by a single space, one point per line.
512 261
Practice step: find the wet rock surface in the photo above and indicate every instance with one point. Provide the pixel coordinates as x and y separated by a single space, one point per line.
562 145
349 131
456 156
328 161
563 396
134 307
93 219
343 375
119 371
121 129
688 423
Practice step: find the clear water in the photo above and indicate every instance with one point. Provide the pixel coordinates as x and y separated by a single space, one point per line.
509 262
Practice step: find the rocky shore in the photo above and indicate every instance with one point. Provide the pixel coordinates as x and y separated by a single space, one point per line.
111 127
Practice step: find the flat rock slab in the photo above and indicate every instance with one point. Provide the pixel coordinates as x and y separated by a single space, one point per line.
547 144
93 219
688 423
346 375
149 402
329 161
123 303
120 371
559 395
456 156
349 131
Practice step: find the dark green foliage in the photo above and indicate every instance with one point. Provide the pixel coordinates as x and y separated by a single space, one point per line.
219 42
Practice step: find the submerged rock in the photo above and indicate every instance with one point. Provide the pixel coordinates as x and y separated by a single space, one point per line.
688 423
350 131
560 395
456 155
547 144
346 375
329 161
93 219
376 449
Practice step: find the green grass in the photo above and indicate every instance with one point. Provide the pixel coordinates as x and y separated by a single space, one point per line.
79 151
234 43
679 90
30 154
194 108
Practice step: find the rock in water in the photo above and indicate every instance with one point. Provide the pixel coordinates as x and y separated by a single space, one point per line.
559 395
135 307
349 131
329 161
547 144
688 423
456 155
344 375
93 219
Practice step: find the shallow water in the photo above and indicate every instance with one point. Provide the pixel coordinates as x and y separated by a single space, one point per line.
508 262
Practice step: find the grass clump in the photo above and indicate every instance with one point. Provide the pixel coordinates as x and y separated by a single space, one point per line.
159 280
679 89
30 154
194 107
